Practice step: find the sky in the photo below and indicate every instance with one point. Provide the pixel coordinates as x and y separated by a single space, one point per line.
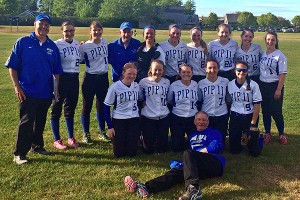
287 9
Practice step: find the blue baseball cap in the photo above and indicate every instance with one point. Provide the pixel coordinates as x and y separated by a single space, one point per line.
125 25
43 16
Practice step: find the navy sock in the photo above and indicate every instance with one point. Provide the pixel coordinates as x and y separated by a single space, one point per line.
70 127
101 122
267 123
55 128
85 121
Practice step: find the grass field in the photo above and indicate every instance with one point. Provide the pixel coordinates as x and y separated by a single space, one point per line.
91 172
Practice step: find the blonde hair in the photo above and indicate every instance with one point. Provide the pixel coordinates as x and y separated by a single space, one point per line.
158 62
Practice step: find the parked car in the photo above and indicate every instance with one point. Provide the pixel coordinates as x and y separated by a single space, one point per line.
261 29
296 29
240 28
271 29
286 30
252 28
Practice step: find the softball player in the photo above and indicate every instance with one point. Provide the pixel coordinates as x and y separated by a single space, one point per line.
246 97
223 50
273 70
175 52
124 126
155 113
68 85
183 95
148 51
95 81
212 96
197 54
250 53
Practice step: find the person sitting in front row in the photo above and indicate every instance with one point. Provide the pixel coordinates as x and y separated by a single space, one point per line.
200 162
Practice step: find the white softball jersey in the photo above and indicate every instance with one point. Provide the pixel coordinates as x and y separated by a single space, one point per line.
196 58
252 57
243 99
69 54
184 98
175 56
272 65
155 96
124 99
223 54
95 56
213 96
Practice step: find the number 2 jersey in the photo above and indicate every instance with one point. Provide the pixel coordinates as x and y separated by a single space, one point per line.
69 54
95 56
243 99
272 65
124 99
224 54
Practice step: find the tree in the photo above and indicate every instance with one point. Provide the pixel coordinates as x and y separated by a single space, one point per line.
246 19
87 8
211 20
189 7
267 20
262 20
296 20
169 3
7 6
63 8
283 22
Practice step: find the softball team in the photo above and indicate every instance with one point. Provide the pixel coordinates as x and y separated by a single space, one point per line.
223 50
155 113
273 70
197 54
175 52
212 97
250 53
183 95
94 53
148 51
68 86
246 97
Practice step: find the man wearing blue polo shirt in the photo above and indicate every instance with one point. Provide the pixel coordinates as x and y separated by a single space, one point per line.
32 64
122 51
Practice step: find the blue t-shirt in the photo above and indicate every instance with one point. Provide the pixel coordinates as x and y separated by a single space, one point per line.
118 55
35 65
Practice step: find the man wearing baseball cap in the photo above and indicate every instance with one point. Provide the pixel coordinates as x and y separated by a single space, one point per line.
123 50
33 63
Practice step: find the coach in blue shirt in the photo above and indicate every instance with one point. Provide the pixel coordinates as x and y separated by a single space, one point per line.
122 51
33 64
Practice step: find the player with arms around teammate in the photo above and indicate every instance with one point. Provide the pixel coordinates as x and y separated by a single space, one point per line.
273 70
250 53
32 63
155 113
124 126
245 106
197 54
148 51
202 161
68 85
94 52
175 52
212 97
183 96
223 50
122 50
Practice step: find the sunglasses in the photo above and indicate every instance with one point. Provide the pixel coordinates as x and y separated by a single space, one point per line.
69 31
241 70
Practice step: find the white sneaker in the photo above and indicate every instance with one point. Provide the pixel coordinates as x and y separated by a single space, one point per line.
20 160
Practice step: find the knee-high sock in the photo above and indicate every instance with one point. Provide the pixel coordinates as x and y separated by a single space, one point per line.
85 121
55 128
101 122
70 126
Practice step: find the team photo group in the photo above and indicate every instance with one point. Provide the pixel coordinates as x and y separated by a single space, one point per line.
191 98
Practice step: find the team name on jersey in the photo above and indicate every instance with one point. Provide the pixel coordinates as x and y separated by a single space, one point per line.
185 94
212 89
249 58
156 89
241 96
128 96
267 61
70 51
98 51
196 54
175 53
223 53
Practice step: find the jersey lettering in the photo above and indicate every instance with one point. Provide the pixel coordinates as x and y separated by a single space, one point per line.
185 94
240 96
212 89
70 51
99 51
222 53
128 96
173 53
155 89
197 54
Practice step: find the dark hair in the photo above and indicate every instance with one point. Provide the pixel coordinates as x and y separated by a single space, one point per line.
180 68
66 23
174 26
202 43
155 61
95 24
247 77
244 32
224 25
276 36
212 60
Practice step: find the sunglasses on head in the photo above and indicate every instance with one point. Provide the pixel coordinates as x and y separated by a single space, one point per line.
241 70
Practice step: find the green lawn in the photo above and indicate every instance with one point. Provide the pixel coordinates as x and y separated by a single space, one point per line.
91 172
